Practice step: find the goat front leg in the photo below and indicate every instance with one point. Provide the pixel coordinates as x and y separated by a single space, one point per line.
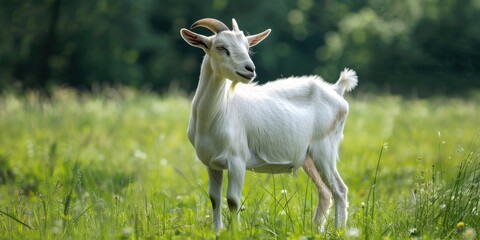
236 177
215 179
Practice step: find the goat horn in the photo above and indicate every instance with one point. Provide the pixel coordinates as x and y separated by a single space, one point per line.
235 25
210 23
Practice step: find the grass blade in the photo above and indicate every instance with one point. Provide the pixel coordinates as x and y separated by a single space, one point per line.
15 219
81 214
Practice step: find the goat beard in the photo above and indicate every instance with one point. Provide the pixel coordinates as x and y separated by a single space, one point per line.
232 87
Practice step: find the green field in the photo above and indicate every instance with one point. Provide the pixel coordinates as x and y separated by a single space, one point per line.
117 164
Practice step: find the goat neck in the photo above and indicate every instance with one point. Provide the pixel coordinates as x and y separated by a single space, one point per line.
210 100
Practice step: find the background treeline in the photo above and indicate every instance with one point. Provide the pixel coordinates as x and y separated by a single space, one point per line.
410 47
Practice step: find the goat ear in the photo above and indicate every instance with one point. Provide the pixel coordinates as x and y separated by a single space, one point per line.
196 40
257 38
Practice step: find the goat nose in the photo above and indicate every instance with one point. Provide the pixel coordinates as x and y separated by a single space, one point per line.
250 68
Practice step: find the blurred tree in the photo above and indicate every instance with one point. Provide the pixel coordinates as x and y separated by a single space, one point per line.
419 47
425 47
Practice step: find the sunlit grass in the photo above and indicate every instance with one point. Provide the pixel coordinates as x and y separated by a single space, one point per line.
117 164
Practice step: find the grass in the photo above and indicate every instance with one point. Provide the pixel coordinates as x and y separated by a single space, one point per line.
117 164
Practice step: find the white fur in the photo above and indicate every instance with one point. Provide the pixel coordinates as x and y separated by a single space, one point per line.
273 128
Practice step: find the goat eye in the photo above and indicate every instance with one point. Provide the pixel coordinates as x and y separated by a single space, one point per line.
221 48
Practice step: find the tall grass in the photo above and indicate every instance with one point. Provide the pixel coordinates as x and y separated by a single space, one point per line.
447 207
438 206
117 164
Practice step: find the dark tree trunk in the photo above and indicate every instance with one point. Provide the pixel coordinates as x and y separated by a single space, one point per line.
47 51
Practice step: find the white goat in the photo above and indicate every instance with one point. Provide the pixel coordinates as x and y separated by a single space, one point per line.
272 128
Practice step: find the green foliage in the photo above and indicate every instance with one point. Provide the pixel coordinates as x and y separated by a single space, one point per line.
410 47
427 47
116 163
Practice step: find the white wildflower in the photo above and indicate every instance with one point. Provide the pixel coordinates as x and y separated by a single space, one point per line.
127 230
139 154
163 162
353 233
470 233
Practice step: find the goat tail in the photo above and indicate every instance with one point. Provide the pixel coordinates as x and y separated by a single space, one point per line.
347 81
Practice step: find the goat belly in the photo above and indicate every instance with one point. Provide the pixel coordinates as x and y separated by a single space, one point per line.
264 166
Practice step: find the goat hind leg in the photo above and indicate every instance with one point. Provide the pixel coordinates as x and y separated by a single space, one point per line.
324 194
341 203
339 190
215 179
